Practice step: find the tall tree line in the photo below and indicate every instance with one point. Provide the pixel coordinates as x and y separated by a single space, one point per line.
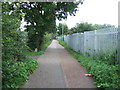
80 27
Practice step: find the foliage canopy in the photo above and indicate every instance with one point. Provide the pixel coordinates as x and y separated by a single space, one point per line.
41 17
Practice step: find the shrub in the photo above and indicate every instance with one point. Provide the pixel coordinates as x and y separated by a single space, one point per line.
106 75
109 58
16 73
46 40
16 67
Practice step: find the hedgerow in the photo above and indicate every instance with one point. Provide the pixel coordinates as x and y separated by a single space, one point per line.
16 66
48 37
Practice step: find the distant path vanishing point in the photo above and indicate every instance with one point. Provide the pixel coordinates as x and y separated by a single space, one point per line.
59 69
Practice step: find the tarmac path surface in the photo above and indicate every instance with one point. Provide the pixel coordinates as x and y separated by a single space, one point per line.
59 69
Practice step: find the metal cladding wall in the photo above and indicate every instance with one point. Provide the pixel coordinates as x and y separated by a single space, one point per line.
94 42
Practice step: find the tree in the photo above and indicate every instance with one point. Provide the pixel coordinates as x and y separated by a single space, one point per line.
62 28
15 65
84 26
42 17
13 39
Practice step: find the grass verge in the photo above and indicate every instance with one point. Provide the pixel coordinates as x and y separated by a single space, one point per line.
105 75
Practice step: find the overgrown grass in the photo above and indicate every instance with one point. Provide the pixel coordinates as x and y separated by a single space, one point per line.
105 75
15 74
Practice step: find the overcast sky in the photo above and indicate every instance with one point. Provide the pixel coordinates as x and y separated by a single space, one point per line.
95 12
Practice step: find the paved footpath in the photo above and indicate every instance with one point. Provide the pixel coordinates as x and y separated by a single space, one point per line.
58 69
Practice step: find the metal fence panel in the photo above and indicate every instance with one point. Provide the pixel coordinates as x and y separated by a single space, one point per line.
81 43
93 42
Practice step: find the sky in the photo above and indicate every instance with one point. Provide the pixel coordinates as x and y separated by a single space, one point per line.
95 12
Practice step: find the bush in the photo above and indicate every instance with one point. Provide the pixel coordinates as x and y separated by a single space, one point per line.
106 75
16 73
109 58
46 42
48 37
16 67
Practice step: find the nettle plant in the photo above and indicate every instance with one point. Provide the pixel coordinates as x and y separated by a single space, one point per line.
108 57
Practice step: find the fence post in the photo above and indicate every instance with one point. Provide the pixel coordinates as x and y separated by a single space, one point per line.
77 43
118 54
84 35
95 42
